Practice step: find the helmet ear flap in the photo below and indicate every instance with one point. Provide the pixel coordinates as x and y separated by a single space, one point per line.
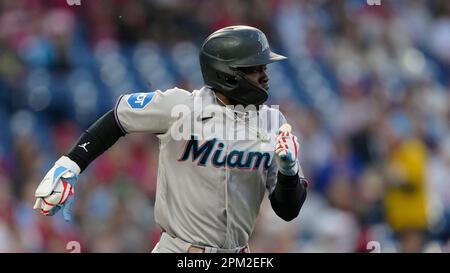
249 93
231 80
226 78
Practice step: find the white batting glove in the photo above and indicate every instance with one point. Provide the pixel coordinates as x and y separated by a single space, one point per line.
55 191
286 151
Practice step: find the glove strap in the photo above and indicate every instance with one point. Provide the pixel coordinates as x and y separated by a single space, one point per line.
67 163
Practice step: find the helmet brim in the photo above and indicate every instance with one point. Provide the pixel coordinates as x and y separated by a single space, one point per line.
274 57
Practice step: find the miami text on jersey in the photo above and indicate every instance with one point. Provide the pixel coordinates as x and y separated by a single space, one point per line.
213 151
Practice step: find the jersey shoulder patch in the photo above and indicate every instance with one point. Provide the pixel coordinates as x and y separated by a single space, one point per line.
140 100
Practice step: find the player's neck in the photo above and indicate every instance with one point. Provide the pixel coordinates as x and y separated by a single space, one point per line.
223 100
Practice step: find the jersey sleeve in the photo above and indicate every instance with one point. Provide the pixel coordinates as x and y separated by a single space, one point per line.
148 112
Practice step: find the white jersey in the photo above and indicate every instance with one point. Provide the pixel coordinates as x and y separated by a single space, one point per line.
209 187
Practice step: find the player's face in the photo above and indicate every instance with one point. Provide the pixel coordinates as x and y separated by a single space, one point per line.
257 75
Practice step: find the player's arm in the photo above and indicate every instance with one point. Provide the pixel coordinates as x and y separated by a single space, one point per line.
98 138
289 194
139 112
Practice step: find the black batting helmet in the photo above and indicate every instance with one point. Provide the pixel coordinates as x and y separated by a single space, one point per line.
231 48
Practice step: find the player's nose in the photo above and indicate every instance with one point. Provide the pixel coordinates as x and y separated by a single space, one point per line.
264 78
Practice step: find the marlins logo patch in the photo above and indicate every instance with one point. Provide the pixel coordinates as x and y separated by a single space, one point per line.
140 100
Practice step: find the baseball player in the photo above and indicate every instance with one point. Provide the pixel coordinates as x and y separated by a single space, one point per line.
210 182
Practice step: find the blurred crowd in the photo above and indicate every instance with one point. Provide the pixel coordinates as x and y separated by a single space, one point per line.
365 87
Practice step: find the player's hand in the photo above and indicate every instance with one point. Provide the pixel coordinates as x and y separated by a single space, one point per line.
55 192
286 151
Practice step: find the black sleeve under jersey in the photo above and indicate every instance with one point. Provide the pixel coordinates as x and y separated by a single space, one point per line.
288 196
95 140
